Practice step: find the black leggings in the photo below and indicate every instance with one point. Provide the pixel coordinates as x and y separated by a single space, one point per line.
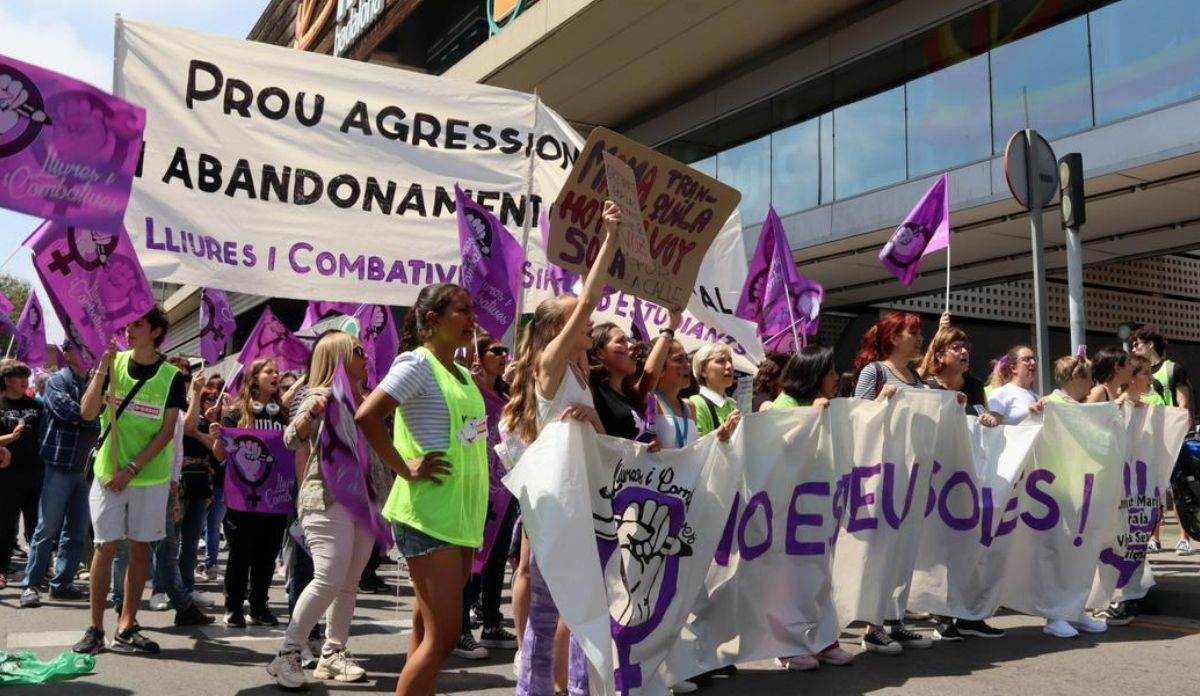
20 491
487 585
255 539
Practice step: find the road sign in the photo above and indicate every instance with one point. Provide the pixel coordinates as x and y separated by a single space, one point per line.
1021 169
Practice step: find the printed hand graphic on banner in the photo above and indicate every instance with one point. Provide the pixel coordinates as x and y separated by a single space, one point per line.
645 541
80 127
1142 511
12 95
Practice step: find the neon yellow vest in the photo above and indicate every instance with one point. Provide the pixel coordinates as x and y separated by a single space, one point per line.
455 510
1058 397
1154 399
704 419
1163 376
139 423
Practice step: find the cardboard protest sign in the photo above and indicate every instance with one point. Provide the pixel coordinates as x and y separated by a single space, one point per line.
622 190
681 209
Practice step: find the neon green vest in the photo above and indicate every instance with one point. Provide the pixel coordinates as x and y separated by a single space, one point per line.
1163 377
1154 399
1057 397
704 419
140 422
785 401
455 510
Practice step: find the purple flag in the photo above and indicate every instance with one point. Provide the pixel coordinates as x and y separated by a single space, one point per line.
492 262
315 311
67 150
31 333
260 472
216 323
345 465
561 281
925 230
499 497
271 339
776 296
94 283
638 330
6 323
6 305
377 333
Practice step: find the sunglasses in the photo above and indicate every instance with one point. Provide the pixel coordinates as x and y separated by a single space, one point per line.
499 351
360 352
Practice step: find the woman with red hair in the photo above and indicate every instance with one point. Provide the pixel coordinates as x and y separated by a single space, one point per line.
883 366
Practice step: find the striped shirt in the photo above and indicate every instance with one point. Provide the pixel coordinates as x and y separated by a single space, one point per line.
410 382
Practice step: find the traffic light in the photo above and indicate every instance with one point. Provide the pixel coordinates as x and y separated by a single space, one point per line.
1070 183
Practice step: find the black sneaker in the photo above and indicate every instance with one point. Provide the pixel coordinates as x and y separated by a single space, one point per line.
946 630
263 617
235 619
978 629
880 641
476 617
909 639
468 649
1114 615
380 586
92 642
497 637
192 616
30 598
69 593
366 587
131 640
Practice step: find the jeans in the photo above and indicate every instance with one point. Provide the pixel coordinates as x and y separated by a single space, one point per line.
194 513
164 568
63 509
212 530
340 548
254 542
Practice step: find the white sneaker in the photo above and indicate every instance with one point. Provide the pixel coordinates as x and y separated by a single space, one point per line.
1183 548
517 663
339 666
1089 625
1059 629
287 671
798 663
1153 546
160 602
684 687
202 600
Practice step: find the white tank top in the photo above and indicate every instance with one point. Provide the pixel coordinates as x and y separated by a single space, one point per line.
572 391
668 427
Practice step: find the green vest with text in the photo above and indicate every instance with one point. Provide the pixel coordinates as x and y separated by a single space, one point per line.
455 510
141 420
1163 376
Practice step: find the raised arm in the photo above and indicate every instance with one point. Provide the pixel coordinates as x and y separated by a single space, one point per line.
93 396
653 370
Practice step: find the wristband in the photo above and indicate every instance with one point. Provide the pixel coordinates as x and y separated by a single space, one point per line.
669 333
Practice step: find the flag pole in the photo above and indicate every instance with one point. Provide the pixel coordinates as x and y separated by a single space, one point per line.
510 336
787 293
947 277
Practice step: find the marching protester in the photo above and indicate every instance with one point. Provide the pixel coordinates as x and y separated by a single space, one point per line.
486 587
552 359
1140 388
1012 384
1170 378
66 440
883 366
214 518
20 416
439 501
133 470
712 366
946 366
1073 379
196 484
766 380
255 538
1110 371
339 544
617 389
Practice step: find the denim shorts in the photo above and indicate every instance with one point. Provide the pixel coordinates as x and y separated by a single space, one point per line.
413 543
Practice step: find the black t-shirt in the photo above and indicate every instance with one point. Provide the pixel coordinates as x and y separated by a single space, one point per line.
26 453
972 387
176 397
619 416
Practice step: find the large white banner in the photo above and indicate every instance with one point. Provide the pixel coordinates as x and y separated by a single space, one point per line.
286 173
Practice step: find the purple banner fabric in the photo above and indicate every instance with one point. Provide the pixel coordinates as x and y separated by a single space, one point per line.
216 324
499 497
776 296
492 264
637 329
94 283
260 472
6 322
924 231
561 281
345 466
6 305
377 332
271 339
31 333
316 311
67 150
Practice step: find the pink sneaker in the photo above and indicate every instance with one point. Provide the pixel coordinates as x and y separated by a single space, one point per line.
835 655
798 663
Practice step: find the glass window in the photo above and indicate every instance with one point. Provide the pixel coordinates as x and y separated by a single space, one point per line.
748 168
827 158
948 120
708 166
796 168
1145 54
1047 75
868 144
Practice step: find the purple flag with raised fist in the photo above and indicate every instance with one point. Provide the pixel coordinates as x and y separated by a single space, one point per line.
93 281
492 261
68 151
271 339
379 338
345 465
31 333
924 231
216 323
315 311
785 304
260 472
